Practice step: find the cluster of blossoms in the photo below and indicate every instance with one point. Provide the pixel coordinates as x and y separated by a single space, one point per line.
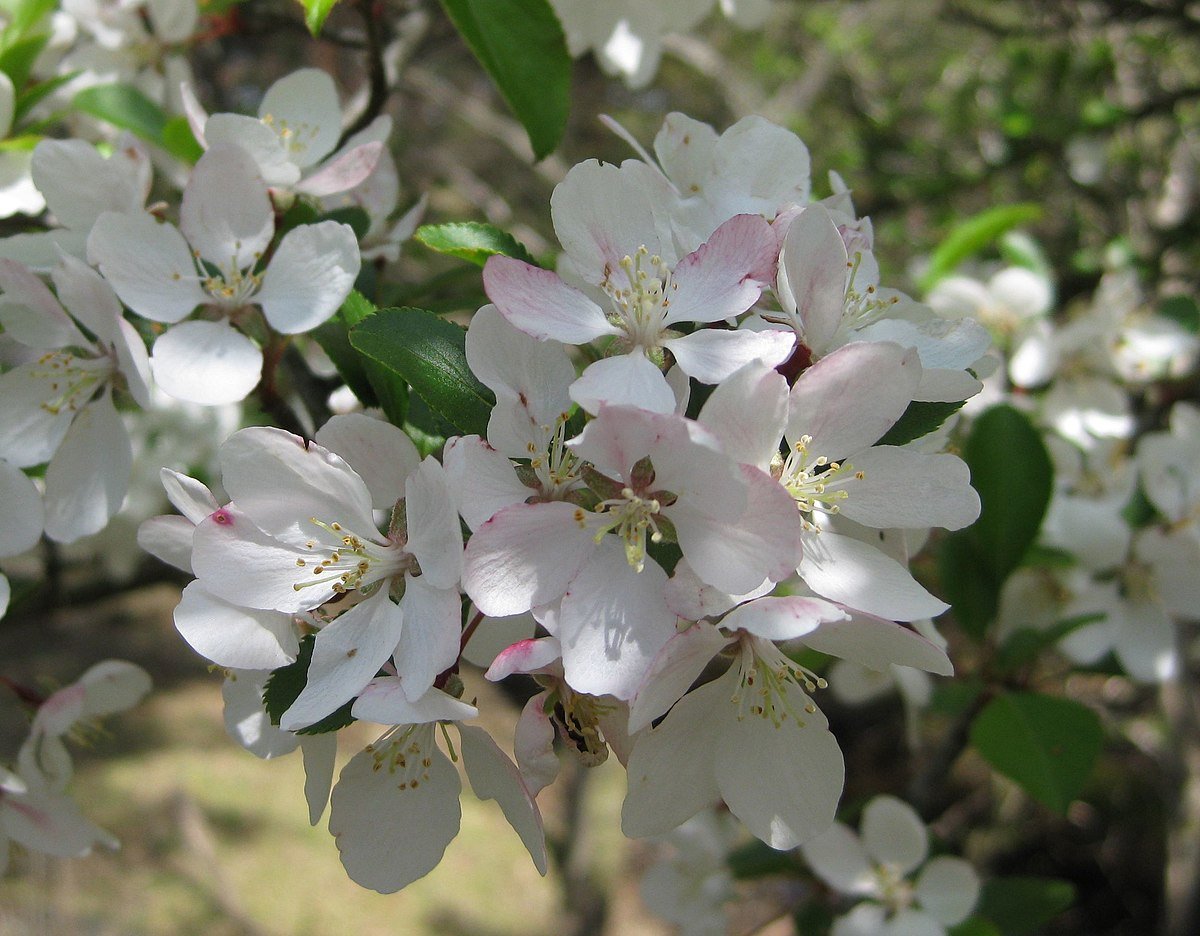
653 537
1126 500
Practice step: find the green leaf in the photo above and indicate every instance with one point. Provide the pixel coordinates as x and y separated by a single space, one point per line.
24 15
124 106
520 44
429 353
920 419
1183 310
1046 744
974 926
1023 645
30 97
967 584
1023 905
17 57
180 142
1011 470
357 219
973 235
371 382
472 241
315 13
757 859
284 686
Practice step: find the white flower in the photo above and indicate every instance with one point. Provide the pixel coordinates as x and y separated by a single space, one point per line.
876 866
227 225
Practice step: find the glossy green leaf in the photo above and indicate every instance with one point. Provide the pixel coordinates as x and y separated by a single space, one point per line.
1011 470
179 141
429 353
1020 906
315 14
284 686
973 235
920 419
521 45
126 107
472 241
1046 744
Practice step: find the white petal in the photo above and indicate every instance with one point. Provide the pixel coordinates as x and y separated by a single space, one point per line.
879 644
866 919
343 172
168 539
310 275
30 432
189 496
481 480
672 671
206 362
226 214
894 834
948 889
148 264
389 837
495 635
87 479
232 636
838 858
49 822
528 655
30 314
494 776
113 686
533 744
247 722
910 490
346 656
624 380
20 511
434 533
713 354
384 701
257 139
783 618
429 642
5 595
814 266
319 752
381 454
80 184
748 412
304 104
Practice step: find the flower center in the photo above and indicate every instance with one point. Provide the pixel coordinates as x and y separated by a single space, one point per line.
632 518
71 382
406 753
894 890
766 677
640 308
555 465
295 137
862 305
810 481
354 564
231 286
578 716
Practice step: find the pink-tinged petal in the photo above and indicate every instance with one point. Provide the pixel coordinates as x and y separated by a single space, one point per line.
494 777
531 372
189 496
226 214
540 304
234 636
748 412
21 512
533 745
839 859
893 834
88 476
723 277
532 655
434 533
148 264
603 213
847 400
30 314
429 643
481 480
670 770
206 362
526 556
784 618
372 817
624 380
320 753
783 782
384 701
948 889
859 576
381 454
711 355
909 490
310 275
304 103
343 172
237 561
257 139
282 484
495 635
672 671
247 722
613 622
692 599
346 656
877 644
813 270
736 555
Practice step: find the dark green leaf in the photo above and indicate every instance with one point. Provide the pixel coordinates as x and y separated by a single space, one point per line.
429 353
920 419
967 583
520 43
812 918
1023 645
757 859
124 106
334 338
284 686
974 926
1023 905
1183 310
357 218
315 13
1011 470
1046 744
472 241
973 235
